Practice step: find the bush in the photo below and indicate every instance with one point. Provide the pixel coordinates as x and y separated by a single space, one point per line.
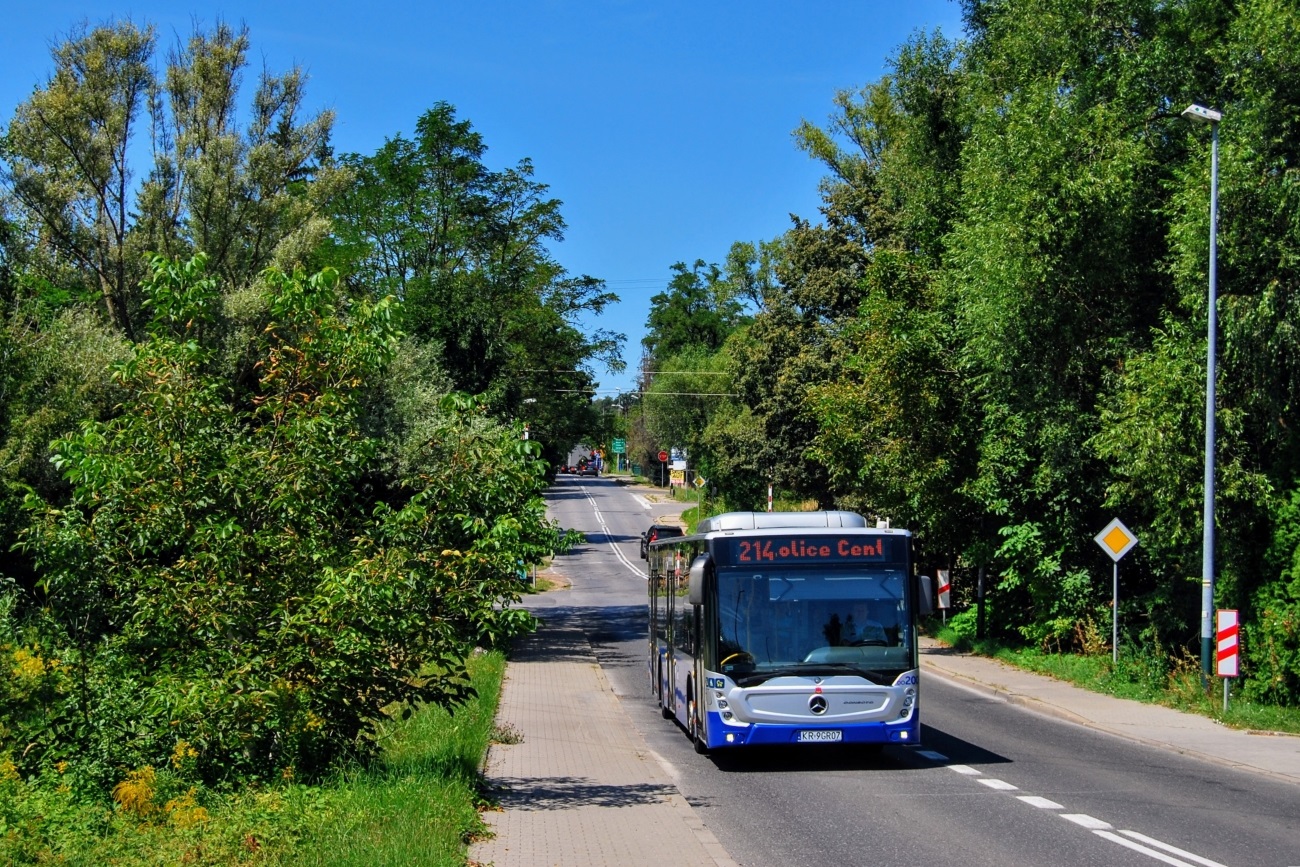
230 574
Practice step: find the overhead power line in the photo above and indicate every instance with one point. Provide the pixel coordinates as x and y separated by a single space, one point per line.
644 393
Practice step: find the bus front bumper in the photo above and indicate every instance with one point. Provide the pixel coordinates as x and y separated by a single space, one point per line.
724 734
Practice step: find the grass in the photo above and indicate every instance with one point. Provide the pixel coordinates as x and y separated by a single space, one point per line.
417 806
420 805
1152 677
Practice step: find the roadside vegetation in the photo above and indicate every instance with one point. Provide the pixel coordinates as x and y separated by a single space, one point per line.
995 334
1155 677
264 485
418 802
265 490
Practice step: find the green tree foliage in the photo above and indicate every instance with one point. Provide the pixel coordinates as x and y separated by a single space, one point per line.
248 197
223 577
55 372
696 312
465 249
1055 267
997 335
892 424
66 150
241 195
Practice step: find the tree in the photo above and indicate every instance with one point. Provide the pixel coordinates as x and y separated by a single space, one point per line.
246 197
466 249
697 311
66 150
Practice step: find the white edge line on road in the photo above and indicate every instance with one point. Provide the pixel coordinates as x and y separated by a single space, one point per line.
965 769
609 537
1142 838
645 504
1138 847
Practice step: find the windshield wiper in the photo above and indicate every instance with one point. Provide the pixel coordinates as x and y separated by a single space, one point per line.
880 678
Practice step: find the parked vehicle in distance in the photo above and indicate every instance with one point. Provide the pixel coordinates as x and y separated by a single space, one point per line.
657 531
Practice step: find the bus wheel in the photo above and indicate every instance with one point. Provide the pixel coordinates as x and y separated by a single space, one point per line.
696 727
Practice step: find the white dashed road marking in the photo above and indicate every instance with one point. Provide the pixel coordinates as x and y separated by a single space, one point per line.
1000 785
1040 803
1087 821
1172 849
1159 856
1148 846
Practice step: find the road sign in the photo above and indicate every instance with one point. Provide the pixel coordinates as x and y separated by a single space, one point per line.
1227 634
945 590
663 456
619 447
1116 539
700 481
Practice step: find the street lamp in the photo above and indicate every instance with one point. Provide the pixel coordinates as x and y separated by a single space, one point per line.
1200 114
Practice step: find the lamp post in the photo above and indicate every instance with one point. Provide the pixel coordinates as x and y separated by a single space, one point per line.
1200 114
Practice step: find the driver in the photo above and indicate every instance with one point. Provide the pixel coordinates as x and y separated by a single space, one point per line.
859 628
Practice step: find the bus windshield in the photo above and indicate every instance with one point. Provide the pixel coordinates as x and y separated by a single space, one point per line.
810 619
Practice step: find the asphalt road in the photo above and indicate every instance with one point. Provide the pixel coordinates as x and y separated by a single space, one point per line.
910 805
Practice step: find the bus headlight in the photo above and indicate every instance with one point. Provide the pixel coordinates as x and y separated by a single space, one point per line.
722 702
909 696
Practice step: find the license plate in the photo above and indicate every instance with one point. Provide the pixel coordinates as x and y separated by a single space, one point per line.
820 735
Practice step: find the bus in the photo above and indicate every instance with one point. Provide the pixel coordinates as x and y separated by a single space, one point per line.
787 628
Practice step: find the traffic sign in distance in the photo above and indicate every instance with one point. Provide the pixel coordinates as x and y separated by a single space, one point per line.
700 481
1116 539
663 456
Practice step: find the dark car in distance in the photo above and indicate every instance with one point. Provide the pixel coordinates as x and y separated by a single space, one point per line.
657 531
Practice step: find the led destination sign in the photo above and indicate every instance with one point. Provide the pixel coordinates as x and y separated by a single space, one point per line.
815 548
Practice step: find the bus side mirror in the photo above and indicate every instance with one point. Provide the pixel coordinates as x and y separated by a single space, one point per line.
925 597
695 593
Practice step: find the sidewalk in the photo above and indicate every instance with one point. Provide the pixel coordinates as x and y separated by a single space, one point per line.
1277 756
581 787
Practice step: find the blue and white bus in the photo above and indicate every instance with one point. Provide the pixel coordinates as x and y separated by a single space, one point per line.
787 628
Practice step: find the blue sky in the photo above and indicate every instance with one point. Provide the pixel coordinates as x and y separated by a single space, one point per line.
664 127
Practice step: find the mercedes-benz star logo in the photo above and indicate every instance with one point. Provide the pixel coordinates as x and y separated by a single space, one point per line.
817 704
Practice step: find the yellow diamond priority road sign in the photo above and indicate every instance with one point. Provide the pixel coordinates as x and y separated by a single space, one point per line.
1116 539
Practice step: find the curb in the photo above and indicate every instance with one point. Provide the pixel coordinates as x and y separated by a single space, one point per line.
1051 710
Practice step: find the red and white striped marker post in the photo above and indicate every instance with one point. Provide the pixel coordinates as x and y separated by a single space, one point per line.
945 592
1226 631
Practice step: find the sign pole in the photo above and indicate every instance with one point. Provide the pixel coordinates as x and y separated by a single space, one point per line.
1116 540
1114 616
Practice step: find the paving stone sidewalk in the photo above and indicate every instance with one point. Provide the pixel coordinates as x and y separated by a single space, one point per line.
580 787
